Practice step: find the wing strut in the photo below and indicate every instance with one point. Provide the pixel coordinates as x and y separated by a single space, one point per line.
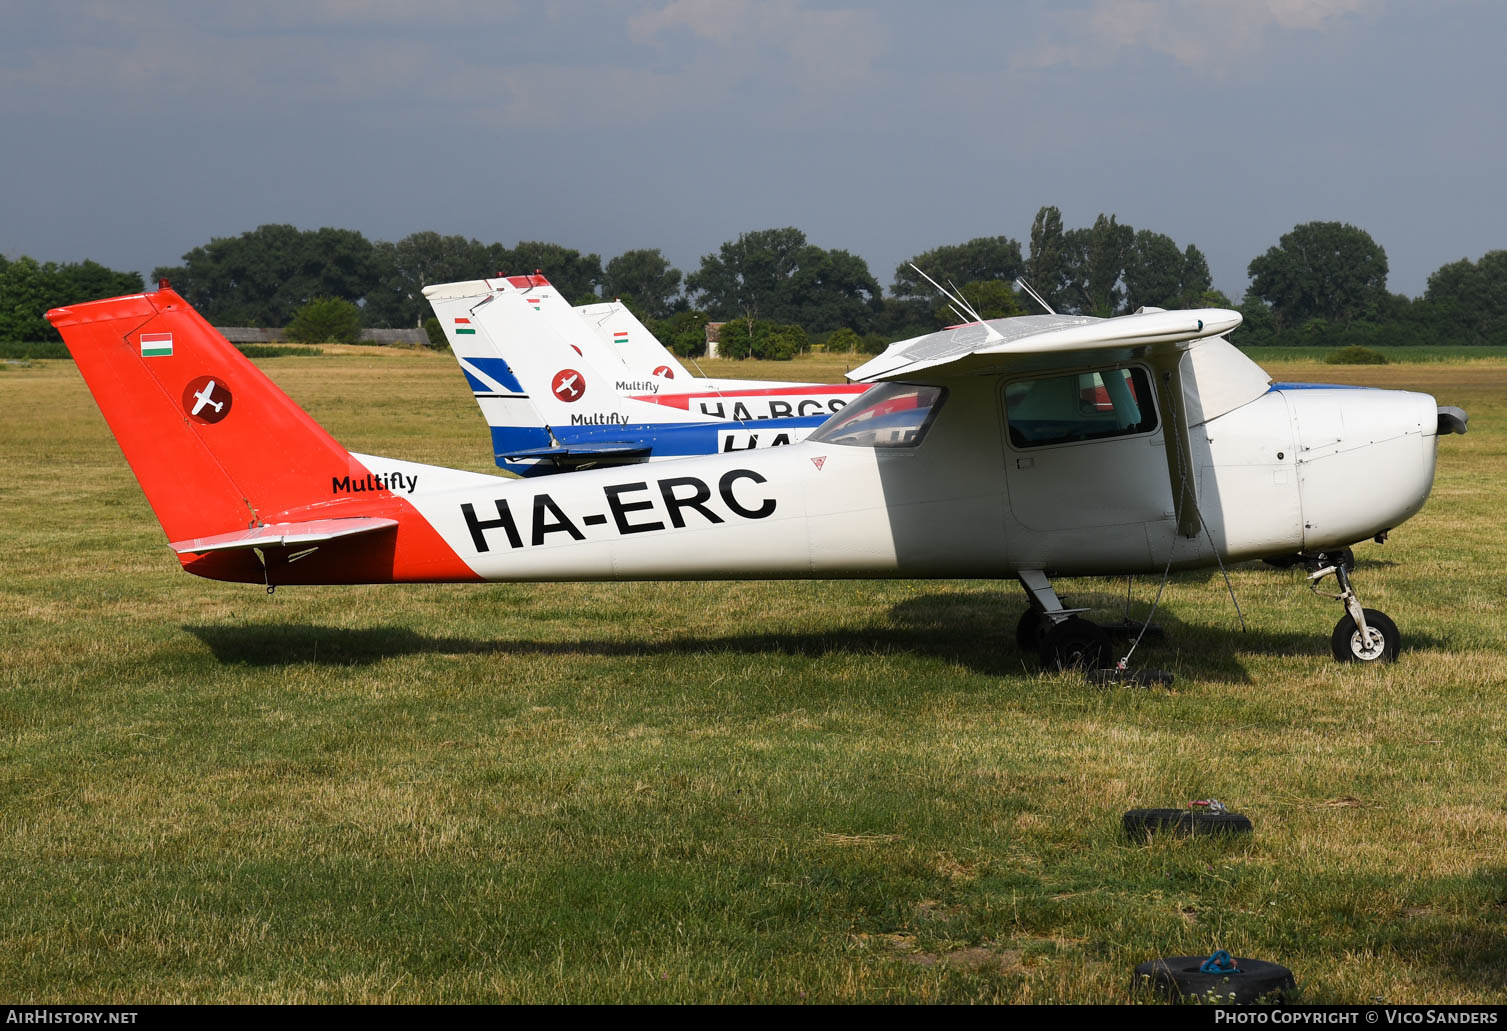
1179 445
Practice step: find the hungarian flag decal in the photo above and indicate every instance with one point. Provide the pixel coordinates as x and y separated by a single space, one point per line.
156 345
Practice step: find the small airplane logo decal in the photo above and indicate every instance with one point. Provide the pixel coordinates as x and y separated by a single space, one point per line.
206 399
665 371
819 461
568 385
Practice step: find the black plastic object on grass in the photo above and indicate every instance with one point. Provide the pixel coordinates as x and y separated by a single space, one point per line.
1220 979
1203 817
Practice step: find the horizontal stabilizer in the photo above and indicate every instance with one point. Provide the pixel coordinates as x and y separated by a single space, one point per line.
580 452
283 535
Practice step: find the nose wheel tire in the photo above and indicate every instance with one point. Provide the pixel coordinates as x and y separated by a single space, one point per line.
1074 644
1381 644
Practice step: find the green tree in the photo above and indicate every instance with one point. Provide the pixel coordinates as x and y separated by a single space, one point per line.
843 341
1470 298
29 288
263 276
1257 324
775 275
647 279
414 262
1047 267
982 259
684 333
1158 275
326 320
1095 266
749 277
1153 271
1324 270
770 341
1198 282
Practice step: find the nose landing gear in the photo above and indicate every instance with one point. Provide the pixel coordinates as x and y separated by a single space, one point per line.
1361 635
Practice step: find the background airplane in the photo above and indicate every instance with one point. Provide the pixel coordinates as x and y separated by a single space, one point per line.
975 457
636 346
556 398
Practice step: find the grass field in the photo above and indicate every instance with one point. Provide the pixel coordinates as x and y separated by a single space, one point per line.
783 792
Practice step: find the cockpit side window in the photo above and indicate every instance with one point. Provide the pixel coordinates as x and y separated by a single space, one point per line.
892 415
1081 406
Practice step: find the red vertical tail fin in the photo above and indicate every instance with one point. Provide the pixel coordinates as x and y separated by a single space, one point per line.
218 448
215 445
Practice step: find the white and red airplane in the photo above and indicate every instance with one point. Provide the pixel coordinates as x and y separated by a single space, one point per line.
557 396
976 456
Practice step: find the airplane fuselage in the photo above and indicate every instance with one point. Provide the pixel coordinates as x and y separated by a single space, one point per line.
1292 470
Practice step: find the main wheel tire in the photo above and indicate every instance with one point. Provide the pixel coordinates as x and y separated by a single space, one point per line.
1141 824
1179 978
1074 643
1030 630
1384 644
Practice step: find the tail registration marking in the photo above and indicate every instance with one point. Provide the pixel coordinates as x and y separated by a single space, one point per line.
638 507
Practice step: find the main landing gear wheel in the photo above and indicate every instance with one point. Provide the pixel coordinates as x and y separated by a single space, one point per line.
1030 630
1074 644
1381 642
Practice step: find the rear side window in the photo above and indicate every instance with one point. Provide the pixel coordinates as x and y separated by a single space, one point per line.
1080 406
889 415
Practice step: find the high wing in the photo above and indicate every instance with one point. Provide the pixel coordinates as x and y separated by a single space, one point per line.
1192 391
1040 341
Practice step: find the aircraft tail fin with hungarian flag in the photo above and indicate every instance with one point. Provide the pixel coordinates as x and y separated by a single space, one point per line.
246 485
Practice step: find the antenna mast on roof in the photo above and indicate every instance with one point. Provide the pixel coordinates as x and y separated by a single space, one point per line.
956 302
1021 283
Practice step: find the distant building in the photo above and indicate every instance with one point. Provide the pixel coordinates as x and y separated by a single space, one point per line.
713 335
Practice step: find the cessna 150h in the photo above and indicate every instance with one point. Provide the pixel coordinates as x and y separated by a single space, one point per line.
557 396
1025 447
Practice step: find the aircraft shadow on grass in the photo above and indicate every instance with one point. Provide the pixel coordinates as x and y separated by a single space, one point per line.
974 629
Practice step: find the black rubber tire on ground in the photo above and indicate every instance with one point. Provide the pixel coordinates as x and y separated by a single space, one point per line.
1345 643
1074 643
1141 824
1030 630
1179 978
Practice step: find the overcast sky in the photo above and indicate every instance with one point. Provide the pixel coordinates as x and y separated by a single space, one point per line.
135 131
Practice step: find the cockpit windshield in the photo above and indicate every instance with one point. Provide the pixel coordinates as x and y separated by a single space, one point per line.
891 415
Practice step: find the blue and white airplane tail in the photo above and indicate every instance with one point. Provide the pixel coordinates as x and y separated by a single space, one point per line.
548 406
555 400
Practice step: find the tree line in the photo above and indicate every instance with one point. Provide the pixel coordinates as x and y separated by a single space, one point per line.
1321 283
